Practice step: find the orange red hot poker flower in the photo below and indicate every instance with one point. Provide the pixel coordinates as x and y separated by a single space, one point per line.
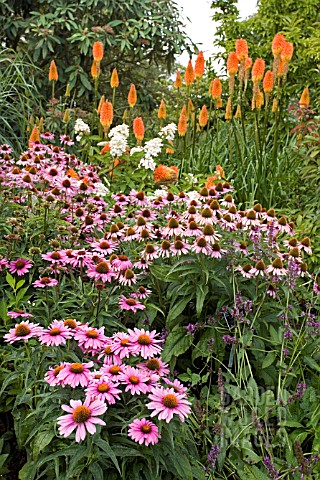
114 81
305 98
203 117
97 51
53 72
189 74
241 49
162 113
106 114
216 88
232 63
278 44
138 128
183 121
35 136
287 52
178 80
268 82
95 69
132 96
258 70
199 66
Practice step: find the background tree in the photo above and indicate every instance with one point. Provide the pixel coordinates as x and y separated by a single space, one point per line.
298 20
133 31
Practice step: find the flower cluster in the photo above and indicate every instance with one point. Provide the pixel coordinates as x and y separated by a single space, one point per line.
119 140
81 128
260 245
109 376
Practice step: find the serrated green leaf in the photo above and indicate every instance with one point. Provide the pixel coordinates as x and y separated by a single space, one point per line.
269 359
176 309
177 343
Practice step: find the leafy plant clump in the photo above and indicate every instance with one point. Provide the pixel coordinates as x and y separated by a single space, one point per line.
138 285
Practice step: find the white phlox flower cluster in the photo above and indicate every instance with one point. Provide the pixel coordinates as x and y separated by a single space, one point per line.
148 163
193 195
136 150
101 189
192 178
168 132
81 128
152 149
119 137
158 193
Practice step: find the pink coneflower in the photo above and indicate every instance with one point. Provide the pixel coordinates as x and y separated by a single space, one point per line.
144 343
51 376
172 229
272 291
109 357
201 246
217 251
166 402
141 293
5 149
276 268
305 245
283 226
153 380
54 257
74 374
23 331
3 264
227 223
19 313
121 263
56 334
101 271
250 220
177 386
138 198
66 140
206 216
82 417
147 214
209 234
78 258
67 185
135 380
141 264
246 270
121 345
259 269
47 135
20 266
103 389
90 339
241 247
193 230
130 304
316 288
127 277
151 252
228 201
106 247
165 249
179 247
144 431
155 365
113 371
44 282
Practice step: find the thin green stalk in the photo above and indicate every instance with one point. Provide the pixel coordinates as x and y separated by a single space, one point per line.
195 121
